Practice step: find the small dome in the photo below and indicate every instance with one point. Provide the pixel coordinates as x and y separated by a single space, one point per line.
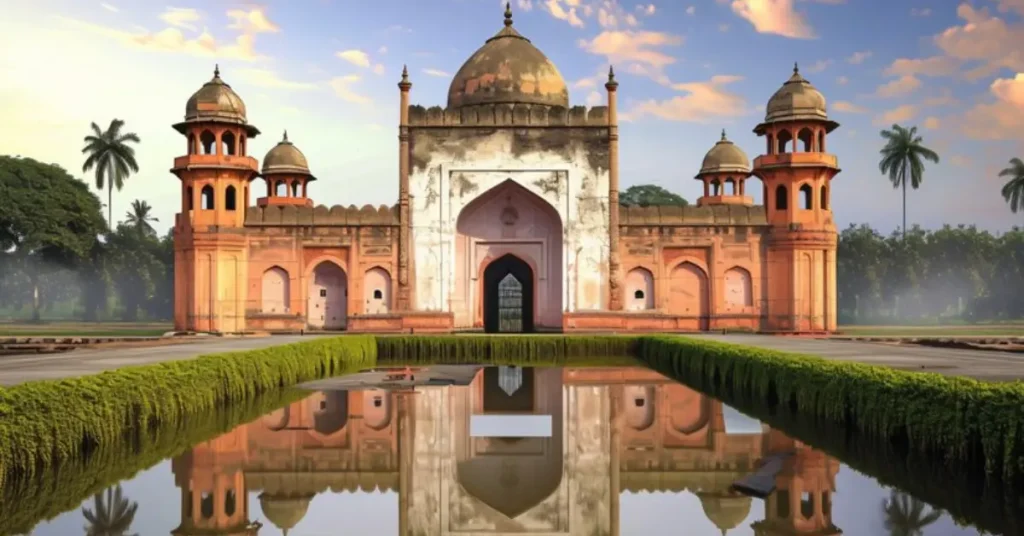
796 99
725 157
285 158
726 511
508 69
284 511
216 102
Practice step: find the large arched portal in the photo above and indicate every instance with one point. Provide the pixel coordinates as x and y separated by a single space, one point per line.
510 238
327 305
508 296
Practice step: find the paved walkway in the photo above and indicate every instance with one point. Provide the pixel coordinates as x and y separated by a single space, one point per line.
23 368
981 364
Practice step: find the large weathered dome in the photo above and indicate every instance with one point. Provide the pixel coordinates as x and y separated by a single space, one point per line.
284 512
796 99
726 511
285 157
725 157
508 69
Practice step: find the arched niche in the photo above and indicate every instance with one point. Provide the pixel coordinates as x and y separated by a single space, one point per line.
376 408
508 219
330 411
639 289
327 302
806 197
639 401
688 410
738 287
689 293
377 290
275 295
276 420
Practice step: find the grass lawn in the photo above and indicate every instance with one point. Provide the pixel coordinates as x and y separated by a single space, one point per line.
982 330
84 329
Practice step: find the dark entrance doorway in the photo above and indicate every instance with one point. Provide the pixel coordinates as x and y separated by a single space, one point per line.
508 296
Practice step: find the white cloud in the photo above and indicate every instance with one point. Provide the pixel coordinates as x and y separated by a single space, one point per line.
172 40
903 85
848 107
342 86
900 114
920 11
109 7
932 123
1001 117
557 11
818 66
179 17
633 47
270 79
777 17
842 80
702 102
436 72
252 21
594 98
858 57
691 10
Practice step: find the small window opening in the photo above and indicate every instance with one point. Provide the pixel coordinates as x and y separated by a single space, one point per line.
638 295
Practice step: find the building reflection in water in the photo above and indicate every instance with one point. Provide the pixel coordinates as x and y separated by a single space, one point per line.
613 430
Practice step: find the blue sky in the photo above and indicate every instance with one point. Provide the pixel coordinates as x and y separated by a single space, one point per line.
326 70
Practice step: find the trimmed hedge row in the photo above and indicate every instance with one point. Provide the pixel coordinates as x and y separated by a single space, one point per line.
27 502
957 420
498 349
47 424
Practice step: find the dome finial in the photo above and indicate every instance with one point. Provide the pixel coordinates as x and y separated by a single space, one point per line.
508 13
796 68
285 138
405 73
723 135
611 84
216 70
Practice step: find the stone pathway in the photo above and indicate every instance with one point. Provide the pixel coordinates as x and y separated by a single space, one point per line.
980 364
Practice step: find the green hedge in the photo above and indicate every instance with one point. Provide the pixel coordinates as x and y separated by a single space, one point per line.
47 424
27 502
498 349
957 420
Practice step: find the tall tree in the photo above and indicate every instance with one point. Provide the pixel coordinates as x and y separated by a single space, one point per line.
112 159
139 217
649 194
1013 190
112 514
907 516
903 159
48 220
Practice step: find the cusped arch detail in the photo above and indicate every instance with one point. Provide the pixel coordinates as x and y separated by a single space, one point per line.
739 287
507 187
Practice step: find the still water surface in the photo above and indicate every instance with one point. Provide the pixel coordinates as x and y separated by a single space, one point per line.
545 451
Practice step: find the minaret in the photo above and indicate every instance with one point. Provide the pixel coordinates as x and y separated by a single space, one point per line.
614 266
214 498
210 252
801 244
724 172
405 253
802 501
287 174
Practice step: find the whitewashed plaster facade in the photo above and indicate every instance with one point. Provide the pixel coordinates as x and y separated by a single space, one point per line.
568 172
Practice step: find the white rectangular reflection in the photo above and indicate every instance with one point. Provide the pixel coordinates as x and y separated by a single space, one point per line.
510 426
738 423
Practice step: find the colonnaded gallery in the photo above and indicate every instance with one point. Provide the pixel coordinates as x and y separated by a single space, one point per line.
508 219
613 432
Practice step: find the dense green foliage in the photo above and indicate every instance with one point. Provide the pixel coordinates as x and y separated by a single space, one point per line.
644 195
958 420
29 501
50 423
954 274
525 350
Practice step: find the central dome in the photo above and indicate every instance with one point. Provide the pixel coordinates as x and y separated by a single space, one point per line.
508 69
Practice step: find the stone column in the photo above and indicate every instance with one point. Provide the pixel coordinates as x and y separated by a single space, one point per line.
404 301
614 277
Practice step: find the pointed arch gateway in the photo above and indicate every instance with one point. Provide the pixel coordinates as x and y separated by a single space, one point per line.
508 262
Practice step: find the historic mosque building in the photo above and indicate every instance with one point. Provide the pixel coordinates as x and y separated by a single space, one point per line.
508 219
613 432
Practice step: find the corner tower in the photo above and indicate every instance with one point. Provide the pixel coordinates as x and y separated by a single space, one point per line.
797 174
724 172
214 497
801 504
210 248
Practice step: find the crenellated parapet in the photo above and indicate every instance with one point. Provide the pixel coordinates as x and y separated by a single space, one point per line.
669 215
321 215
508 115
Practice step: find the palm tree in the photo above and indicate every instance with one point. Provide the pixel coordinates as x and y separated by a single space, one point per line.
113 515
113 159
1013 190
906 515
139 217
902 159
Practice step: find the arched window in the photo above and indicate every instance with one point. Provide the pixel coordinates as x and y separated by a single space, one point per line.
771 143
206 505
821 141
295 189
229 198
806 139
638 295
824 198
228 143
730 188
280 189
782 145
207 198
191 198
208 141
241 145
191 143
781 198
378 294
806 197
230 504
640 284
716 187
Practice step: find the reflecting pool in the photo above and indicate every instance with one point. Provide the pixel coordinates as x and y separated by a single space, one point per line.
542 451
